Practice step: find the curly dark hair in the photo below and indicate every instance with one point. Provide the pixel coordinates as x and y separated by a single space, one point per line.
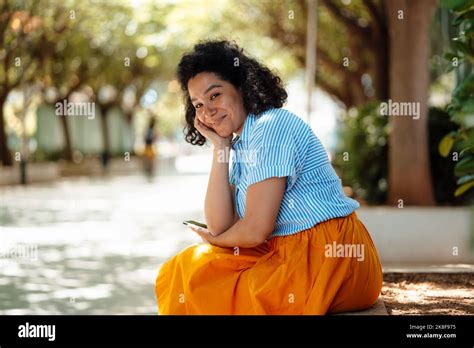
261 89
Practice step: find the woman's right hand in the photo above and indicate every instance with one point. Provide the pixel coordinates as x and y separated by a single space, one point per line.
210 134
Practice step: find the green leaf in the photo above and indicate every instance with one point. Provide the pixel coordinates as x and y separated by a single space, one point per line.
468 107
467 149
445 145
462 46
450 56
464 166
451 108
457 117
465 179
453 4
460 190
465 88
467 6
465 16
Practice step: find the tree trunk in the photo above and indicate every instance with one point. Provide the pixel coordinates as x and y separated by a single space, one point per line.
66 135
65 123
409 167
129 119
380 64
104 109
5 154
381 71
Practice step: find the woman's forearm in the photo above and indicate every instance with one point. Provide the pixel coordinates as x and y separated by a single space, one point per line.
262 208
218 207
242 234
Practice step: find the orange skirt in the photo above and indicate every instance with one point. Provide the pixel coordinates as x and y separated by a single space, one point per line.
331 267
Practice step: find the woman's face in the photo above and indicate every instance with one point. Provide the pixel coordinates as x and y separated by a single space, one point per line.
218 104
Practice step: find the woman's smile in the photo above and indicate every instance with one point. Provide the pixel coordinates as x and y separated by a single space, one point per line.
218 121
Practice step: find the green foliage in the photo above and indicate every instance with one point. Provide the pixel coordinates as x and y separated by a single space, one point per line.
361 154
354 29
458 5
461 108
442 168
363 135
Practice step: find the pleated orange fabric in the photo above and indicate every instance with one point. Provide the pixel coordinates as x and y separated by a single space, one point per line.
315 271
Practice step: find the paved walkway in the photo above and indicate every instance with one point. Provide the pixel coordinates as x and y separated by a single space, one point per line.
92 246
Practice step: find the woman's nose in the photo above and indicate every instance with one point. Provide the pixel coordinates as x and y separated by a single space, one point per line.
209 112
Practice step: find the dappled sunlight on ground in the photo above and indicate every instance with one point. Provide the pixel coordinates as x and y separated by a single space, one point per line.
436 294
99 242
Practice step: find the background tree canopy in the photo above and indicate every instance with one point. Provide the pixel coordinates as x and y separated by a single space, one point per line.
122 57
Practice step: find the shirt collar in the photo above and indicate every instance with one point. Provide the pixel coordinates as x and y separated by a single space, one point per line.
249 121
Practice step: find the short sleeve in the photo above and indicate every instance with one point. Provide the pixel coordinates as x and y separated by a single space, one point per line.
273 161
273 153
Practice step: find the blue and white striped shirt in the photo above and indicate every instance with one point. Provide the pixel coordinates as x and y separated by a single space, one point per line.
277 143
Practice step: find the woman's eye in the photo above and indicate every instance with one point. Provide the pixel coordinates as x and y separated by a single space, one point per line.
197 106
214 96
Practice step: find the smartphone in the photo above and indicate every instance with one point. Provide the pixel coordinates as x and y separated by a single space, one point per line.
195 224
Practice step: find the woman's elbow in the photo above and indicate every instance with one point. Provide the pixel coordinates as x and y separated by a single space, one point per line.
217 227
258 234
254 241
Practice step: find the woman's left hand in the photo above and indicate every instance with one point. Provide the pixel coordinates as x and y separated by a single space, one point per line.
205 235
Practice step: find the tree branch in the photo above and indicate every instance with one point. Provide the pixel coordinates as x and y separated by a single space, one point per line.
5 17
21 77
349 22
338 68
332 90
376 15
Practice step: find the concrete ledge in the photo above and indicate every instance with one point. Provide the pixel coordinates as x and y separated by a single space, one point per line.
377 309
424 268
53 171
37 172
417 235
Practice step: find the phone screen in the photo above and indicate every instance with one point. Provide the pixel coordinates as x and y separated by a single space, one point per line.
192 222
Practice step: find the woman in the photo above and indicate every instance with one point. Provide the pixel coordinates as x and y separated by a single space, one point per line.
282 237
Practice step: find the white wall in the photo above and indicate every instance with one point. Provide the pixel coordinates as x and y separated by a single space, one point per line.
421 235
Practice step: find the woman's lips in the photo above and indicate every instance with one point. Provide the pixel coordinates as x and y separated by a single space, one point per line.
218 122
